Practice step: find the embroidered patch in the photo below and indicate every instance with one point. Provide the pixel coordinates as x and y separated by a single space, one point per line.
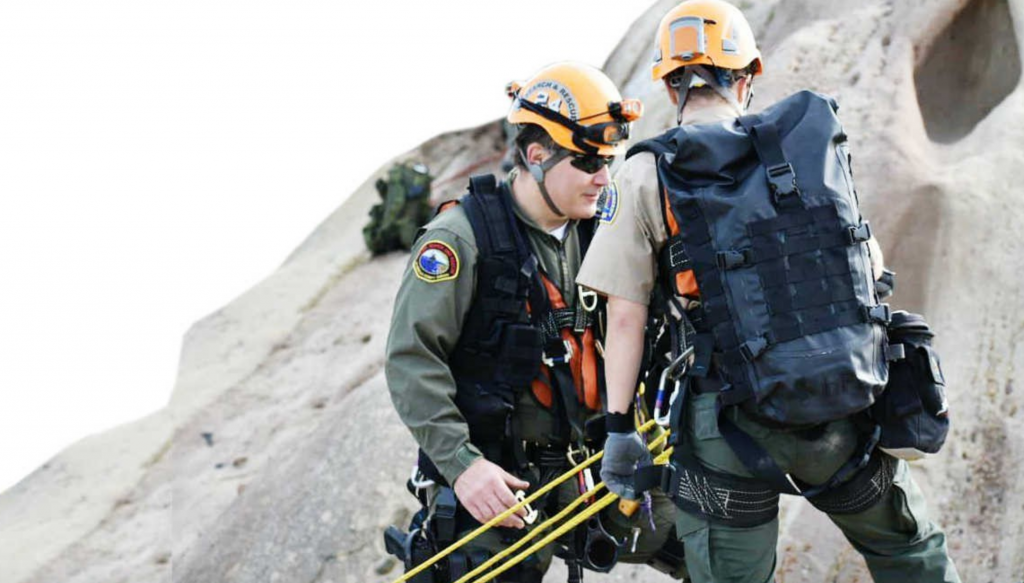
436 261
610 208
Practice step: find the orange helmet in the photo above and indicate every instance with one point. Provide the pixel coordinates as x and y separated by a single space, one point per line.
578 106
705 32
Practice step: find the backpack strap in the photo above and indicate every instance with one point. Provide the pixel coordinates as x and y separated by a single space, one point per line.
768 145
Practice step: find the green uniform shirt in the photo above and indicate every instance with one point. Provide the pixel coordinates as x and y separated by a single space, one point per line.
429 313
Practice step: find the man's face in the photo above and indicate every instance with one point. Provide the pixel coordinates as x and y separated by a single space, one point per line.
574 191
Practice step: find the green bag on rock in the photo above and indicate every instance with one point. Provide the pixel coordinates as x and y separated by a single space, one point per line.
404 208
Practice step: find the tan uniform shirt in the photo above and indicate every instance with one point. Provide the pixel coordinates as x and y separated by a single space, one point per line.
425 327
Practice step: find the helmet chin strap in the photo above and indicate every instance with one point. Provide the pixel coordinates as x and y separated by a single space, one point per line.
538 172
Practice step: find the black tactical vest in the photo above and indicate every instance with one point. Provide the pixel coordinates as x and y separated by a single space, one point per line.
502 343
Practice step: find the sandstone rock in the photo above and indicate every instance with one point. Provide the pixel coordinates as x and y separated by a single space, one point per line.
288 376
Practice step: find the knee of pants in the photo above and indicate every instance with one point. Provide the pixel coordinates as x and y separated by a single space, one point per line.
716 553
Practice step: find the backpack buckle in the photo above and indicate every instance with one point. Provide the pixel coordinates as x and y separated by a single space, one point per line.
733 258
751 349
782 181
858 234
880 314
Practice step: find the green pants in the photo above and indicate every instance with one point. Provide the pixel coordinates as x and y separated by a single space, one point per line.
648 541
896 537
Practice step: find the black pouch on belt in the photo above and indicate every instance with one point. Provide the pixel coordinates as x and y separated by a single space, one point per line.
912 411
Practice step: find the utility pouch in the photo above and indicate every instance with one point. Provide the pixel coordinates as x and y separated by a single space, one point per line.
412 548
912 411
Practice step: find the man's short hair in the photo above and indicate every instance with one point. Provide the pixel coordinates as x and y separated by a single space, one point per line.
531 134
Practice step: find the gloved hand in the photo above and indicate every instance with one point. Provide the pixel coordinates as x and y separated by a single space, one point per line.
622 453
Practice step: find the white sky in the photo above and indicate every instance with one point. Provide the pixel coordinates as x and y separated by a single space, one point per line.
159 158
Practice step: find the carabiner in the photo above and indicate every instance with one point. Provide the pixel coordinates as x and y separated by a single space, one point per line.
531 513
681 363
587 295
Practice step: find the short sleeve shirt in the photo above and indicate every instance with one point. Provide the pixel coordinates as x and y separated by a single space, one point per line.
622 259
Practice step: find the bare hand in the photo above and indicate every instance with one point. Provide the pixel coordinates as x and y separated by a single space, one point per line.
486 491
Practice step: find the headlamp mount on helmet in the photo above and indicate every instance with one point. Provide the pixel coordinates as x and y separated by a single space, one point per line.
609 133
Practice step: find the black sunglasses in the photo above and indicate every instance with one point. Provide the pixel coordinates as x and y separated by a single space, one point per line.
590 163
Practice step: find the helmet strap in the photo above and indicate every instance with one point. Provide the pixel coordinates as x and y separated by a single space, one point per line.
539 172
728 94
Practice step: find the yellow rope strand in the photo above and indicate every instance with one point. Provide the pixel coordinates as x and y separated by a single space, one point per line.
605 500
501 517
544 525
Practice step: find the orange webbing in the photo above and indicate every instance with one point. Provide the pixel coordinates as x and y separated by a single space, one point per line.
542 388
686 281
583 363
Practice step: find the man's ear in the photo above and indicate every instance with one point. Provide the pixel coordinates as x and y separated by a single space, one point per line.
742 87
673 95
536 153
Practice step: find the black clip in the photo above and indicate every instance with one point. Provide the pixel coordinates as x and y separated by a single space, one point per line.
751 349
732 259
858 234
881 314
668 480
782 181
444 515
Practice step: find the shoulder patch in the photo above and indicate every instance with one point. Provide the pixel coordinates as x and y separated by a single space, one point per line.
435 262
610 208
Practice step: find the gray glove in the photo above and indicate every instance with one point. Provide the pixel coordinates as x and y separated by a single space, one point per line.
622 453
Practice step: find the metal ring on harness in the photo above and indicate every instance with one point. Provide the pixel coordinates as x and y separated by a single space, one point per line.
681 362
418 480
531 512
587 295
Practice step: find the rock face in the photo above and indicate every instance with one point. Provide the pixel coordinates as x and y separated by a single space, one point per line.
280 459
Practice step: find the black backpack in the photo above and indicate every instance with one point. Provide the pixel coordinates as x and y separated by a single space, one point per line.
788 324
769 224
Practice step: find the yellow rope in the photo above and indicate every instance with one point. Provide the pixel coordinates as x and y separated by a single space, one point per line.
544 525
594 508
499 518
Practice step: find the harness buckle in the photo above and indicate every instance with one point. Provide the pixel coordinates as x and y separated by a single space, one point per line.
553 360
